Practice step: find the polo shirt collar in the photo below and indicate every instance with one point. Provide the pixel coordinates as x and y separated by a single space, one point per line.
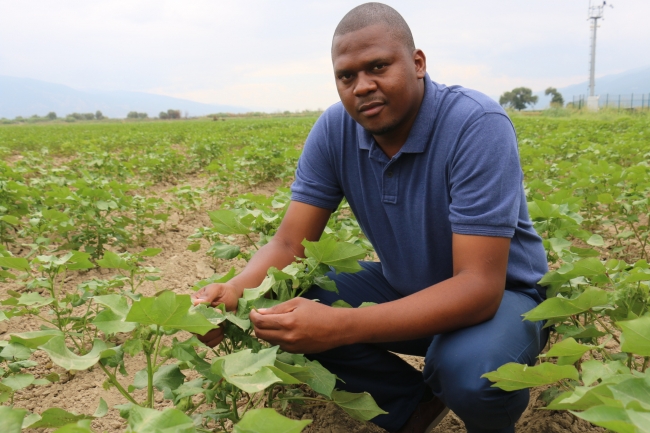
422 127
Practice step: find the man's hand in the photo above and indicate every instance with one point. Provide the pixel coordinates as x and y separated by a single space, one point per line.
300 326
215 294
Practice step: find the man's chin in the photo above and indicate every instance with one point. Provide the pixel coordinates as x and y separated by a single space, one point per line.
380 130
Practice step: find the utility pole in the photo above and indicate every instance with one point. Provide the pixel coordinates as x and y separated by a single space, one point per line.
595 13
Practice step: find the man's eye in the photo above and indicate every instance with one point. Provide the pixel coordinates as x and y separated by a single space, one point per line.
378 67
345 77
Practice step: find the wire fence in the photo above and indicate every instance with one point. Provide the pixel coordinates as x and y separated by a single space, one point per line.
620 102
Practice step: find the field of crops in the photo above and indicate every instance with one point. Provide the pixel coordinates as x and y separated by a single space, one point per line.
106 228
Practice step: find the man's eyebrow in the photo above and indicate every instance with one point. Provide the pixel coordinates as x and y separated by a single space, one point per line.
379 60
373 62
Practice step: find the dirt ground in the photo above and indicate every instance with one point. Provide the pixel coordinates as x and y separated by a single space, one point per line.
180 270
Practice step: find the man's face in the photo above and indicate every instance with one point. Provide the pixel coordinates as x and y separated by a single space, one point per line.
377 78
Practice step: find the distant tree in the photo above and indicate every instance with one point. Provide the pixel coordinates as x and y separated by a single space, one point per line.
51 115
163 115
132 115
557 100
142 115
518 98
173 114
89 116
99 115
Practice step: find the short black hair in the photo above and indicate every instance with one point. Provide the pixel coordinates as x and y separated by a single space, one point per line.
369 14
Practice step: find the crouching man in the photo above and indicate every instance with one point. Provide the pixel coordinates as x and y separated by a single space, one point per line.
432 174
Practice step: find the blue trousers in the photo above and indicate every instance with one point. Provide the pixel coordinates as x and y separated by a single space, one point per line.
454 362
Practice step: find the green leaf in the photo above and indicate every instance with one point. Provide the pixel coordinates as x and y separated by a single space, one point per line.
543 210
596 241
636 335
213 315
594 370
341 304
613 418
320 379
589 267
78 261
286 378
102 409
359 406
33 299
224 251
634 393
113 319
568 349
367 304
226 222
248 371
268 421
557 308
55 417
150 252
11 420
144 420
194 247
35 338
513 376
10 219
114 261
326 283
640 419
168 376
16 352
170 311
342 256
18 263
18 381
63 357
82 426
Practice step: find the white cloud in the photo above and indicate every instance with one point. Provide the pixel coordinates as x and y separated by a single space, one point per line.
275 54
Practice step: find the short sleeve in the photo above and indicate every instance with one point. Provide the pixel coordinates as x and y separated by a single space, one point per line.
316 182
486 179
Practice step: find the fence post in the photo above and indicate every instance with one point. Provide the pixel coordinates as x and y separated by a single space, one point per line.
619 102
607 100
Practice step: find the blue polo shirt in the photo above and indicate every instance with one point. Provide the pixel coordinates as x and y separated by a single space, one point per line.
458 172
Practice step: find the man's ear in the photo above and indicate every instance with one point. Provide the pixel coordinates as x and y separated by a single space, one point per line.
420 62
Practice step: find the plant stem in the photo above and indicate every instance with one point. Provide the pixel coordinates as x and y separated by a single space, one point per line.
252 243
117 384
157 344
646 360
600 322
149 402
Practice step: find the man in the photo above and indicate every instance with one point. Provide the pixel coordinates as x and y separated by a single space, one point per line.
432 174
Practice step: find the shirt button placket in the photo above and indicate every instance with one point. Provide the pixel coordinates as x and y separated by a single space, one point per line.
390 185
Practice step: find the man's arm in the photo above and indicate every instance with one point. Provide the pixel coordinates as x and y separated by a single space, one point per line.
301 221
470 297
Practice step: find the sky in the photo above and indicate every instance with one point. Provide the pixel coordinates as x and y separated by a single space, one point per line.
275 55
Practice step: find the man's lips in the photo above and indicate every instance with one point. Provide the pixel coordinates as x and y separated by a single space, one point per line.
371 108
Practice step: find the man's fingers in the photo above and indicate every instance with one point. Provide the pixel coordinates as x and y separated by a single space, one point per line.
262 321
212 337
285 307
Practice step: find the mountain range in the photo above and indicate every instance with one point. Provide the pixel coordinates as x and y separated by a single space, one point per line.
635 81
26 97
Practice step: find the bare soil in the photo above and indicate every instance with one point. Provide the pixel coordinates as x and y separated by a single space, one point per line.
180 270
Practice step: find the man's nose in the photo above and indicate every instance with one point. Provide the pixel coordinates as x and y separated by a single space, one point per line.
365 84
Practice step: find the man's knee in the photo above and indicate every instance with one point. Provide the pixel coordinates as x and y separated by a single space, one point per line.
457 381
